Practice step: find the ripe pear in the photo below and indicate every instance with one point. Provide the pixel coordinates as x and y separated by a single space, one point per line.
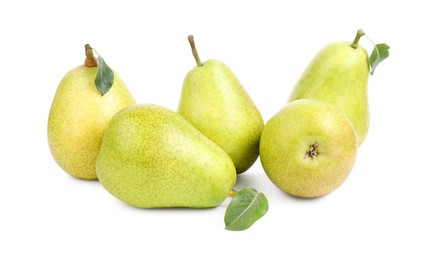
308 148
215 102
151 157
338 74
79 116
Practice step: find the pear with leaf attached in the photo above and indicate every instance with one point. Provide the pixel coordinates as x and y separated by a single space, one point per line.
86 99
215 102
339 74
151 157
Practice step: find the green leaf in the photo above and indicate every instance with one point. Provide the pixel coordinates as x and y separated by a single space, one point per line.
246 207
379 53
104 77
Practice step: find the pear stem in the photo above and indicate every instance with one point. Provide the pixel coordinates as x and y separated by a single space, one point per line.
194 50
90 60
357 38
232 193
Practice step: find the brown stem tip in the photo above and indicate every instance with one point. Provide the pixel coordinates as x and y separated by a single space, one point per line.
90 60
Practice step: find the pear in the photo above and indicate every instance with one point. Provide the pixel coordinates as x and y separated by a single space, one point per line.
308 148
151 157
215 102
79 115
338 74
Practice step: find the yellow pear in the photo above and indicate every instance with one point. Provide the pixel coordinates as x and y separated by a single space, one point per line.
151 157
215 102
79 116
339 74
308 148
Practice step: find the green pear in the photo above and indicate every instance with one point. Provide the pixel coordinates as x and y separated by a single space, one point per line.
215 102
308 148
79 116
338 74
151 157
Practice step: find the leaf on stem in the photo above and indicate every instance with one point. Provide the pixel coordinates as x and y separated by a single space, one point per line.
246 207
379 53
104 77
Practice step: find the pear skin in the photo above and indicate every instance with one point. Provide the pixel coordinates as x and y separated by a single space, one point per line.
339 74
308 148
78 118
215 102
151 157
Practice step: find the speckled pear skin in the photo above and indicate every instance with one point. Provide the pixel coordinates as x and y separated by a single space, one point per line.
288 137
151 157
338 74
215 102
78 118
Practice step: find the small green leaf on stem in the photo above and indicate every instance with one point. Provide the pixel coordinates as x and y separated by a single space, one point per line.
379 53
246 207
104 77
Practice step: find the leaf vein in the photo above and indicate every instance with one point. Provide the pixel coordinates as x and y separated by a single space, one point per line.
245 210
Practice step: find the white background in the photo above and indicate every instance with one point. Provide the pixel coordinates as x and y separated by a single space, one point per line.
385 210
